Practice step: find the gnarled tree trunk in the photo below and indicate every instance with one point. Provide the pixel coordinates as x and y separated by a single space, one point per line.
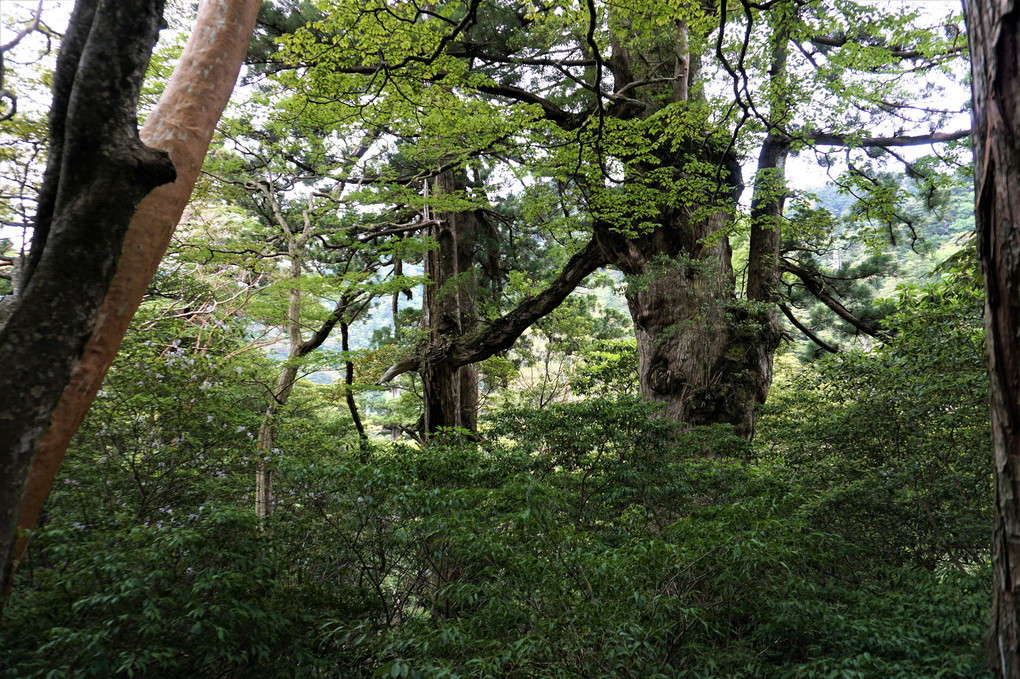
703 354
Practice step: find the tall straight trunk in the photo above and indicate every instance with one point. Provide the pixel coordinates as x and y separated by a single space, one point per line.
297 242
994 39
763 274
182 124
767 204
450 311
264 443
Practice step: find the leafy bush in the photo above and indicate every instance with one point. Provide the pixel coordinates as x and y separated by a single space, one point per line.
581 539
891 448
202 598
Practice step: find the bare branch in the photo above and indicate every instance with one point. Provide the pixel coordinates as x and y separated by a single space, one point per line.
501 334
565 119
818 288
807 331
897 52
825 139
405 365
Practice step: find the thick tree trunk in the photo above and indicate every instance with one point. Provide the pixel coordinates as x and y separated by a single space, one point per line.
701 353
763 272
182 125
450 311
98 172
994 39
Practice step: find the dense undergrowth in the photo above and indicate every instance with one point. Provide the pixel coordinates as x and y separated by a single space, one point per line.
585 539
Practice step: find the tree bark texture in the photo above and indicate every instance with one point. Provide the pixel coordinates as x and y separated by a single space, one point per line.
297 346
450 309
706 358
98 173
264 443
55 355
994 39
701 354
297 242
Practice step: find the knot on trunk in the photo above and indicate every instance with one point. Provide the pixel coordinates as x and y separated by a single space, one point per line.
661 378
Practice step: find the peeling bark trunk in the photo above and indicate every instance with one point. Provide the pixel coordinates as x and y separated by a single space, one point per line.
450 310
994 39
97 175
59 379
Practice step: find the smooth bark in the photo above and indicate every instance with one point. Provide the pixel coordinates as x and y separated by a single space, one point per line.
97 173
182 125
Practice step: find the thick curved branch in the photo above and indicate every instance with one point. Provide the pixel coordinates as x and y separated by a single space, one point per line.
817 288
896 52
501 334
552 112
469 52
405 365
825 139
322 333
807 331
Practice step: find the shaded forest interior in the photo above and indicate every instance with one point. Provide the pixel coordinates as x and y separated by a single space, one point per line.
508 339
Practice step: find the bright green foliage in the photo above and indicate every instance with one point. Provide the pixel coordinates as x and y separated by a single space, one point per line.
147 560
606 367
584 537
893 445
584 540
548 354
